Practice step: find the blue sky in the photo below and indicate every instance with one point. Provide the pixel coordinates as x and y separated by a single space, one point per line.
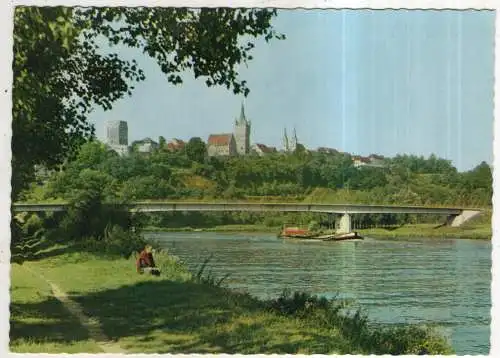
360 81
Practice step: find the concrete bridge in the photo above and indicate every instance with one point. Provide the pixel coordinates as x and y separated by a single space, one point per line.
456 216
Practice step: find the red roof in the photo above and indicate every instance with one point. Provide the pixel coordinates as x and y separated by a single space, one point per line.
219 139
361 159
176 144
265 149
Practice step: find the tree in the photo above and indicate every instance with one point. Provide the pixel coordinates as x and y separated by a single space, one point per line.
196 150
162 143
60 75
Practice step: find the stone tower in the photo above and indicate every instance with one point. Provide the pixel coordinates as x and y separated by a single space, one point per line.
290 144
242 133
286 144
294 141
116 132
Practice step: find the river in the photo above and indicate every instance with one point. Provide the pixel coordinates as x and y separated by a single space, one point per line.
435 281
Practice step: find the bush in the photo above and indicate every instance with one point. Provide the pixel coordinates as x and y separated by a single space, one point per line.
116 241
32 225
169 265
369 338
313 226
298 303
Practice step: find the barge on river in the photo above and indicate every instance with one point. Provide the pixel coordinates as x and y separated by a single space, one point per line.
303 234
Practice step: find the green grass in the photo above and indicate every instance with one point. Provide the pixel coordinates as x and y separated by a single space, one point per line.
220 228
177 312
39 322
172 313
481 231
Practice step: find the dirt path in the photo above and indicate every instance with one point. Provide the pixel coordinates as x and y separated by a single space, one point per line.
91 324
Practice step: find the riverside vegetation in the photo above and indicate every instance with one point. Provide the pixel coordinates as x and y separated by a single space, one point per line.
61 74
302 176
177 312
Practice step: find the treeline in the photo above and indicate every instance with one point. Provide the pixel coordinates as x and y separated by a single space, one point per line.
305 176
189 174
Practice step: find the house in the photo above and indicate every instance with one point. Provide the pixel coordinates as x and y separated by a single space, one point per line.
262 149
359 161
122 150
221 145
175 145
146 145
376 160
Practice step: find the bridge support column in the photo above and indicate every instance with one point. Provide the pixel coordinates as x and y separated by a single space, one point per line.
459 220
344 224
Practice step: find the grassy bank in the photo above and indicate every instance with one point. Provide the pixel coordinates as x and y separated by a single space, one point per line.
39 322
477 231
218 228
481 231
179 312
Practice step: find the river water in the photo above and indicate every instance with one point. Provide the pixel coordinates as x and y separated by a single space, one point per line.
435 281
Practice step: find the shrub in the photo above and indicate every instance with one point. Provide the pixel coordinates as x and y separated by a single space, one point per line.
32 225
313 226
369 338
116 241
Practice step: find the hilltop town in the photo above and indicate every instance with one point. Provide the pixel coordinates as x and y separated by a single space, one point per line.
229 144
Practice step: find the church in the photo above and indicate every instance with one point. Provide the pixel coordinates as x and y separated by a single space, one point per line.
231 144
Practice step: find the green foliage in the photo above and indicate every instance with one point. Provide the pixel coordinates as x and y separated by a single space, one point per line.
61 74
33 225
208 278
313 226
116 241
162 143
196 150
323 178
370 338
300 303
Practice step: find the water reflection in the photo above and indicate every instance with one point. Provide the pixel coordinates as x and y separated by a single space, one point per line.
396 281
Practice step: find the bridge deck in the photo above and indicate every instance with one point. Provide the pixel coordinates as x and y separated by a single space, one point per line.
257 207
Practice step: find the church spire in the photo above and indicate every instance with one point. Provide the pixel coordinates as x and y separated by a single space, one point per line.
285 141
242 113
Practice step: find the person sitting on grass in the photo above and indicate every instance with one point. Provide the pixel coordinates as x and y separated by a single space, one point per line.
145 262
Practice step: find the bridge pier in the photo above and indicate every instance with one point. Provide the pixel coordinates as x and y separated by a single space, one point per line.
460 219
345 224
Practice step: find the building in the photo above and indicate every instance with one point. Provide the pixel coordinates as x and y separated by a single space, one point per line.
375 161
175 145
262 149
290 144
116 133
221 145
146 145
359 161
117 136
122 150
241 133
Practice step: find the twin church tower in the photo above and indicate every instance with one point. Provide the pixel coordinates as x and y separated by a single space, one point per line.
241 133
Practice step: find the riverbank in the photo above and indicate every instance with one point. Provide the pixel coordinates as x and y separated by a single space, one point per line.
178 312
219 228
480 231
477 232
